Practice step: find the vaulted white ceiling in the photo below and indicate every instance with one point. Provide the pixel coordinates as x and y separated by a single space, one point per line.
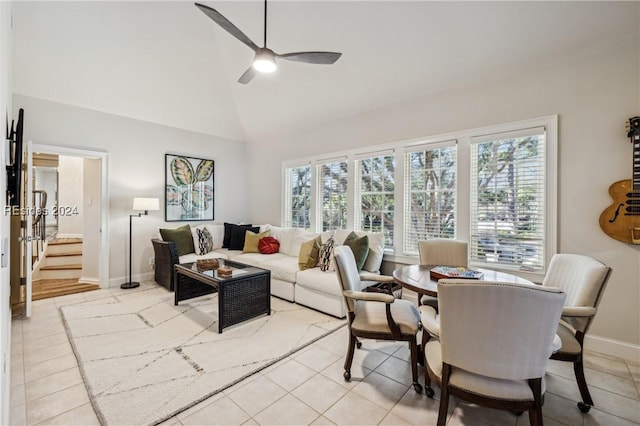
167 63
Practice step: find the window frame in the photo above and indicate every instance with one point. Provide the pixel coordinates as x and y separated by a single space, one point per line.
358 193
408 191
286 193
463 186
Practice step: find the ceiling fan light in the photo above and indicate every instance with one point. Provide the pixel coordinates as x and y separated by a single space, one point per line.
264 62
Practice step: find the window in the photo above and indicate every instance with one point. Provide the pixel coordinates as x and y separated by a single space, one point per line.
297 197
430 194
494 187
508 199
375 189
332 193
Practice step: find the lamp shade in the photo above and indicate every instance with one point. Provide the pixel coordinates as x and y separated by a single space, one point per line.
150 204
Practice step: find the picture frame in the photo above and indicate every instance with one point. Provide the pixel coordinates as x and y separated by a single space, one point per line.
189 188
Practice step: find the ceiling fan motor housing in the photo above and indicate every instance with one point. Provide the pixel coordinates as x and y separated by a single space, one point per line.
265 60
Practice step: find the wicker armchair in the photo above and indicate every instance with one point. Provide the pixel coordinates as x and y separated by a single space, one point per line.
166 256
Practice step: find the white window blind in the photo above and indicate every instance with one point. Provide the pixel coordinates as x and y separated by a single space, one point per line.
508 199
332 194
297 197
374 193
430 193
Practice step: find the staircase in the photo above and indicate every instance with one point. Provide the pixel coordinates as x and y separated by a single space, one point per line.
60 269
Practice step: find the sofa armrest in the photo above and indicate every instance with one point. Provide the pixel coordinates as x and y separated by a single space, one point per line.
166 255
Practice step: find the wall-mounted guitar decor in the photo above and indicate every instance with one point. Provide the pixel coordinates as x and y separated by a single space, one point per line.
621 220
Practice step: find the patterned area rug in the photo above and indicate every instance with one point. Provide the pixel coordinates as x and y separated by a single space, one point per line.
144 360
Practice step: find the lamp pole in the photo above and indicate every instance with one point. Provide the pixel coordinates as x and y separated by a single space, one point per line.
130 283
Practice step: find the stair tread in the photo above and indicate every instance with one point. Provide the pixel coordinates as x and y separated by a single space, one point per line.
46 288
65 241
66 253
61 267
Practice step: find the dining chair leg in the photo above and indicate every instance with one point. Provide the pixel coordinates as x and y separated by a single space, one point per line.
535 412
578 369
587 402
349 357
444 395
427 380
414 365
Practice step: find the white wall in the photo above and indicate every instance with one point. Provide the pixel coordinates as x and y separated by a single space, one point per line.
91 221
5 307
70 193
136 152
46 179
593 94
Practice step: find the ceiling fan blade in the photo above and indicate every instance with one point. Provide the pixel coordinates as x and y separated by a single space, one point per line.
248 75
312 57
227 25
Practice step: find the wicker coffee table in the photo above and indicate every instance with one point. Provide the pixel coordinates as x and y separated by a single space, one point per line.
244 295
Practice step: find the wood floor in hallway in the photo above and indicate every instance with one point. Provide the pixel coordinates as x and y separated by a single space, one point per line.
44 289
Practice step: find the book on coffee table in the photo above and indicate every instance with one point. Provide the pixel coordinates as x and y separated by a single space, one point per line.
440 272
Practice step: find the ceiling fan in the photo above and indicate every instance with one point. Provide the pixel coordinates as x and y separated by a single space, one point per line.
265 58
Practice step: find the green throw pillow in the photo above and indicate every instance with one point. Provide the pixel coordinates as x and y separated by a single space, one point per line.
359 246
309 254
181 237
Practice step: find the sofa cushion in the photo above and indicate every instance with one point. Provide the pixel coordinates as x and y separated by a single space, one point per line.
228 233
291 239
217 232
192 257
251 241
253 259
268 245
181 237
326 256
205 241
284 268
238 235
376 247
376 251
299 237
309 254
359 246
320 281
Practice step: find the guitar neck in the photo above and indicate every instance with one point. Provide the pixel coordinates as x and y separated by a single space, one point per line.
635 177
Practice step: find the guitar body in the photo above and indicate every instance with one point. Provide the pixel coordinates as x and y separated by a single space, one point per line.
621 220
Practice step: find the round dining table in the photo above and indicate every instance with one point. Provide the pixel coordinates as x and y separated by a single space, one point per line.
418 278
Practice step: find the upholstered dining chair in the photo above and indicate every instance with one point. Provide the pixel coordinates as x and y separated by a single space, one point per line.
441 251
494 343
375 315
583 279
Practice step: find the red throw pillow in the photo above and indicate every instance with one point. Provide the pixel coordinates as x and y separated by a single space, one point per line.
268 245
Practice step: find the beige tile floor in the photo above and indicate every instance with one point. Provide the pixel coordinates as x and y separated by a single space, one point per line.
305 388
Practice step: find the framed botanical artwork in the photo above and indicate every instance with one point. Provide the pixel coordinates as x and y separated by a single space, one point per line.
188 188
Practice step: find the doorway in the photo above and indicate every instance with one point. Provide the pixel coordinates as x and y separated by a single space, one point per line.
79 214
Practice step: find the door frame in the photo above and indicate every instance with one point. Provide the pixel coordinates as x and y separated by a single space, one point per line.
103 156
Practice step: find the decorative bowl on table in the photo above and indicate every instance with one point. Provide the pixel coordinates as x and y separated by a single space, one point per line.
440 272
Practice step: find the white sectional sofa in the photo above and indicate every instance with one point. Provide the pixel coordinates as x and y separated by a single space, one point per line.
310 287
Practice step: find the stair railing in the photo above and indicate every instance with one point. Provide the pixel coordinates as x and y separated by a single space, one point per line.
38 226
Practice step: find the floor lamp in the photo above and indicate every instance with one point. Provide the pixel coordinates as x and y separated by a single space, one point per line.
146 204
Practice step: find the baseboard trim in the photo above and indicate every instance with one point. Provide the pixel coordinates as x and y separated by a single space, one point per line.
115 282
612 347
89 280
